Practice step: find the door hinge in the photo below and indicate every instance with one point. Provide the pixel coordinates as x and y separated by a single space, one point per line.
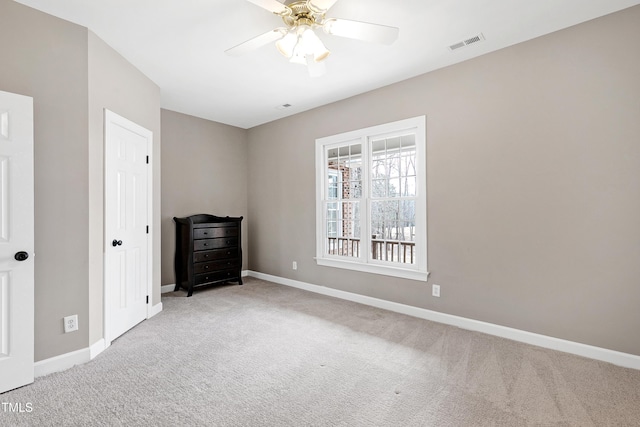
147 159
147 299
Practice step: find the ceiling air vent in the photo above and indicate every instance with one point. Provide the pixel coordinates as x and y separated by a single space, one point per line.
467 42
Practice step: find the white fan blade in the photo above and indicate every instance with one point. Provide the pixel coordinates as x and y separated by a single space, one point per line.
272 6
320 5
361 30
256 42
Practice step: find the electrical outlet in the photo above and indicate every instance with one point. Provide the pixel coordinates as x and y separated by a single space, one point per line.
435 290
71 323
295 265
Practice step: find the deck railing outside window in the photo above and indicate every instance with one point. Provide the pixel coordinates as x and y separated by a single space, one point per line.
383 250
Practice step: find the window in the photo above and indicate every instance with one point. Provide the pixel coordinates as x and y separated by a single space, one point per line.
371 200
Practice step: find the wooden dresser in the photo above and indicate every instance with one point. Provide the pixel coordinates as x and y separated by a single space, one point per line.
208 251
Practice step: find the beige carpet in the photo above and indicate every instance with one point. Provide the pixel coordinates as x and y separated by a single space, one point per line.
268 355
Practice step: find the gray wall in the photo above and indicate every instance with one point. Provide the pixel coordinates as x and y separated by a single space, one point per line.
533 186
204 170
47 60
72 75
116 85
533 171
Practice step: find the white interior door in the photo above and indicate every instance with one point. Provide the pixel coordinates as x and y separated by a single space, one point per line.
127 224
16 241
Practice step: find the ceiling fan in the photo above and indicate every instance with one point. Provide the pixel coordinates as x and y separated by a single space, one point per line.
298 41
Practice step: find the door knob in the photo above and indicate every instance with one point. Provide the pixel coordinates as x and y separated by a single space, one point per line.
116 242
21 256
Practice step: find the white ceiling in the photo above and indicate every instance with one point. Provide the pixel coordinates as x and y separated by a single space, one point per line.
180 44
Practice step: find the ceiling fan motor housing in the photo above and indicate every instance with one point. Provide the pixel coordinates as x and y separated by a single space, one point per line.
302 14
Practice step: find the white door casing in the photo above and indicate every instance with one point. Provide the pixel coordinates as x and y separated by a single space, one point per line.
16 241
127 224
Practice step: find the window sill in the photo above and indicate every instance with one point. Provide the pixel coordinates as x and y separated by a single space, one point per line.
384 270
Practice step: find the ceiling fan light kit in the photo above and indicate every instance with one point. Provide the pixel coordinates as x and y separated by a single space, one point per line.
298 41
301 41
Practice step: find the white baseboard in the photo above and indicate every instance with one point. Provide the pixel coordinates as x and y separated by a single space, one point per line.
611 356
62 362
97 348
78 357
169 288
155 309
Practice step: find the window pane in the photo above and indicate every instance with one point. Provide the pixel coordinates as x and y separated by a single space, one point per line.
393 164
348 229
378 146
408 164
379 188
344 190
350 210
377 212
332 219
333 192
356 171
408 210
378 168
345 163
332 229
343 228
408 140
393 168
391 210
355 189
390 232
408 231
394 187
377 249
332 186
408 186
393 172
393 143
348 247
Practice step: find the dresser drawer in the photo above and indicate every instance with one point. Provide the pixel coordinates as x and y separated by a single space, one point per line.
215 276
203 256
207 267
205 244
214 232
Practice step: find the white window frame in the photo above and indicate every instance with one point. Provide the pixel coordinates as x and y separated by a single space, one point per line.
364 263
